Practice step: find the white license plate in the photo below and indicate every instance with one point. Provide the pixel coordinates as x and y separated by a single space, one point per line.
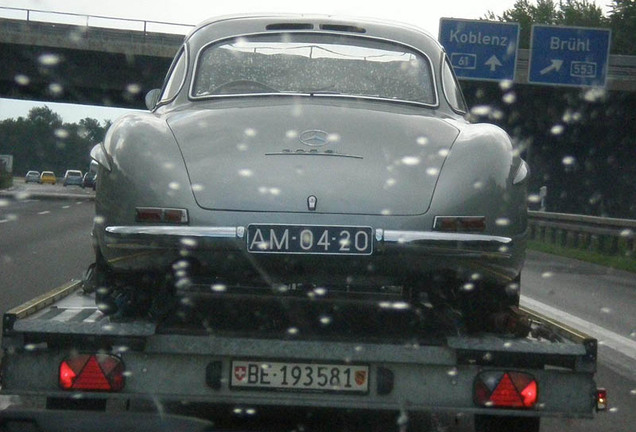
340 378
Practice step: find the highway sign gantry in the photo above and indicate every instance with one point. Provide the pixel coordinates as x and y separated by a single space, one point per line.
483 50
569 56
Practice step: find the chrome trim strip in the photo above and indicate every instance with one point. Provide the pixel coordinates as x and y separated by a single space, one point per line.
177 231
391 236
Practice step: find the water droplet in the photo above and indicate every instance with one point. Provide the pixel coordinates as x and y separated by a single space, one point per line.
174 185
547 275
196 187
292 331
613 410
49 59
61 133
389 182
452 372
502 222
432 171
627 233
506 84
4 203
481 110
219 287
291 134
422 141
320 291
242 147
188 242
99 220
557 129
534 198
510 98
568 160
22 80
133 89
56 89
468 287
386 212
274 191
478 185
333 137
443 152
325 320
250 132
594 94
246 172
410 160
606 310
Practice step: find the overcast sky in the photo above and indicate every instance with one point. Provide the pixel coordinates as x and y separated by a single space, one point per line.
422 13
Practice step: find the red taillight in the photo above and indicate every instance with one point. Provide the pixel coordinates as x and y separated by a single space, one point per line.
506 390
98 372
159 215
601 399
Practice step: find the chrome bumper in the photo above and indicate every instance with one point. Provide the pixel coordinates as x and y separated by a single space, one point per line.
161 237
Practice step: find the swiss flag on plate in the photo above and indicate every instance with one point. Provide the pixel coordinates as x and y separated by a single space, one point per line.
240 372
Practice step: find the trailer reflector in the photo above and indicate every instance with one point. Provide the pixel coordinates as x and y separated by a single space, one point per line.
601 399
93 372
499 389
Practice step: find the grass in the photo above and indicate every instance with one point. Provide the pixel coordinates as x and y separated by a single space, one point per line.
614 261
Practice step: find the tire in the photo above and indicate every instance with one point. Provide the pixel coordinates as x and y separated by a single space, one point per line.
490 423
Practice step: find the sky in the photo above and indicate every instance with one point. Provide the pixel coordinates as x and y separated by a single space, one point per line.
423 13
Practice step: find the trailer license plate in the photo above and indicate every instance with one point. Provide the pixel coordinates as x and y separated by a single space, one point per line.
309 239
299 376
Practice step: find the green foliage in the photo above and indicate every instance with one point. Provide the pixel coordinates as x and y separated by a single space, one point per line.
581 13
41 141
618 262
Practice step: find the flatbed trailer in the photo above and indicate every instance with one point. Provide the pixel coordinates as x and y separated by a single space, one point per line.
60 347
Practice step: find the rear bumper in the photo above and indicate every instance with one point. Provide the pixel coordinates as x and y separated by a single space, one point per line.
397 255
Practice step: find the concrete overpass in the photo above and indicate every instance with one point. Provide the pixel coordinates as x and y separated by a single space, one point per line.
91 64
84 64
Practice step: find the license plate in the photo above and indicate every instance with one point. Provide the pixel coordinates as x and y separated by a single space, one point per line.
310 239
248 374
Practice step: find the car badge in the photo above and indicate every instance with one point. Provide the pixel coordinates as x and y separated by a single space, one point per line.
312 201
314 138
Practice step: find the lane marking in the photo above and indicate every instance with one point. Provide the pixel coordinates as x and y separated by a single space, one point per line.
44 212
605 337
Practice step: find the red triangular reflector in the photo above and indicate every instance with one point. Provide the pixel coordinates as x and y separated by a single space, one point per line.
529 394
506 395
91 377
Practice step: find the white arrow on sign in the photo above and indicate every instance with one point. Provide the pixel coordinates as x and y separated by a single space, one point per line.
555 65
493 62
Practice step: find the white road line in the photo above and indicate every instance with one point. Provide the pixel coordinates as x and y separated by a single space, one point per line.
606 337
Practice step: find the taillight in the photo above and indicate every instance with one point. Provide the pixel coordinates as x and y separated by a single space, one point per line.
601 399
459 223
161 215
94 372
497 389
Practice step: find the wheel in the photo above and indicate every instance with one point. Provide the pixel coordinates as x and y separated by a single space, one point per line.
490 423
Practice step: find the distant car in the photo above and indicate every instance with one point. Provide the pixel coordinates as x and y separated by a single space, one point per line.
48 177
73 177
89 180
312 153
32 177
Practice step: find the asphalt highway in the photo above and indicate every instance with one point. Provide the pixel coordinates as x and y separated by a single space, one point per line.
46 242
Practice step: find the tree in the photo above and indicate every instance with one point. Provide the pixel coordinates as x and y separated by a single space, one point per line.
623 23
569 12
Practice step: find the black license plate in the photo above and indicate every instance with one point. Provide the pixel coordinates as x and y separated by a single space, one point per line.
310 239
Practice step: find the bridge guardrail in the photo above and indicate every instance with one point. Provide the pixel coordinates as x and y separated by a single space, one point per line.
605 235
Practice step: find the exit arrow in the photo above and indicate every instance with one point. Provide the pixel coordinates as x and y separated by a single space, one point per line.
555 65
493 62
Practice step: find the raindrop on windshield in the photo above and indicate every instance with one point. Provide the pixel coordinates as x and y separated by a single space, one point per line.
49 59
22 80
557 129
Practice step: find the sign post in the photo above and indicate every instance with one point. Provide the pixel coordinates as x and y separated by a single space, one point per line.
483 50
569 56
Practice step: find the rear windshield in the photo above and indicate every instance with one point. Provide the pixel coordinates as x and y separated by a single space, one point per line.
314 64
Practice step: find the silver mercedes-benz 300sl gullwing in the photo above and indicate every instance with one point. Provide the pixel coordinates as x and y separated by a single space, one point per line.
310 155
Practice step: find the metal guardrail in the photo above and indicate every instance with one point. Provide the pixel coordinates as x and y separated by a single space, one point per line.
605 235
145 26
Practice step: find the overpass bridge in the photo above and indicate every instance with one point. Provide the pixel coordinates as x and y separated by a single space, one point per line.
106 61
